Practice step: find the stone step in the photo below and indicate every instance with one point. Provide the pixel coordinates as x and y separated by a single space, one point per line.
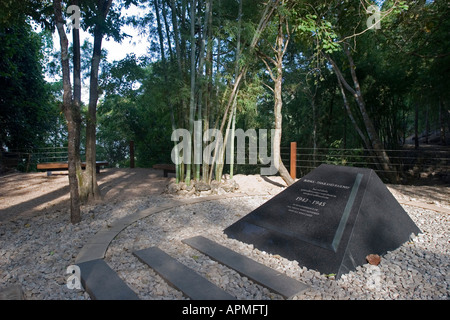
103 283
180 276
259 273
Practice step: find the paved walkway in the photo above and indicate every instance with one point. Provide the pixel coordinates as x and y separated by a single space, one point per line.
93 253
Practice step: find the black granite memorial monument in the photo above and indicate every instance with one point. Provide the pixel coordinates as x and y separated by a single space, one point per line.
329 220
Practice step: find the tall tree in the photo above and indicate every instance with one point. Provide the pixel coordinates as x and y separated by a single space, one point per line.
274 67
238 57
76 112
83 184
90 189
355 90
264 20
193 6
71 113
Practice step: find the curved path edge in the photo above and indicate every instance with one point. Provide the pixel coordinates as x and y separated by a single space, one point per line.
97 245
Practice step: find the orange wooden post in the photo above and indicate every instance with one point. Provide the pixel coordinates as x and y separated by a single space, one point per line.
293 160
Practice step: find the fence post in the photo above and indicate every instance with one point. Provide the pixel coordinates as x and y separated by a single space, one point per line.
131 154
293 160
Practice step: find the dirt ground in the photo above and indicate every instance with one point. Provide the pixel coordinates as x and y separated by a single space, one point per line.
25 194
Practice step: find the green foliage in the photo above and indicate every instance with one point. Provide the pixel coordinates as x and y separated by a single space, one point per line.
27 109
403 64
340 156
311 25
133 109
385 76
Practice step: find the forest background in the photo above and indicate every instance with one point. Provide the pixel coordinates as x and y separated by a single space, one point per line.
322 72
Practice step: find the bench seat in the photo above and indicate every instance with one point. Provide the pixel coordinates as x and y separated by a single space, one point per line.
165 167
59 166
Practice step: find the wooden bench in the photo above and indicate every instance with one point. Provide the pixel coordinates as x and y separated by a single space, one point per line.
59 166
166 167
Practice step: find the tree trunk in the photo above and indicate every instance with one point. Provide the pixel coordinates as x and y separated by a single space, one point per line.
280 50
314 135
233 123
76 62
370 128
375 145
165 71
427 124
90 189
221 159
233 130
161 38
364 139
77 96
167 28
350 115
276 152
209 88
179 167
72 116
267 14
202 58
442 122
447 115
416 125
232 117
175 35
192 97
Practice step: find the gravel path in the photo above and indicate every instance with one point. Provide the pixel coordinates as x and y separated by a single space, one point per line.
36 251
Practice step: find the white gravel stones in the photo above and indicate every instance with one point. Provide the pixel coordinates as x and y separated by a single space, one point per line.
35 253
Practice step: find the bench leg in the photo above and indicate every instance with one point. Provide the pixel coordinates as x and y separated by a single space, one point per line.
97 169
49 173
165 173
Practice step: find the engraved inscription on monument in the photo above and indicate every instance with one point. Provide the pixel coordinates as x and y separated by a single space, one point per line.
312 210
311 200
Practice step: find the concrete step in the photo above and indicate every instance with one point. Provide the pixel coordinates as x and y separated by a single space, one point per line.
255 271
180 276
103 283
